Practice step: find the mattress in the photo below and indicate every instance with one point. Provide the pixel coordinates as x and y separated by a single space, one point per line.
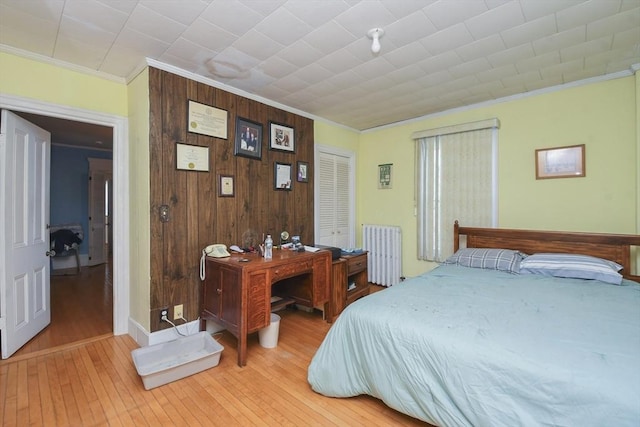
461 346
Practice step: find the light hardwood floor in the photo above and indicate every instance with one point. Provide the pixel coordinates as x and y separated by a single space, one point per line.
94 383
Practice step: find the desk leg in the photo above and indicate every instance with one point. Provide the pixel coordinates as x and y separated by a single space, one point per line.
242 350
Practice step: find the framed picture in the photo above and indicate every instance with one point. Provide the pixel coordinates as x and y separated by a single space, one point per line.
282 174
384 175
248 141
207 120
560 162
303 172
225 186
192 157
281 137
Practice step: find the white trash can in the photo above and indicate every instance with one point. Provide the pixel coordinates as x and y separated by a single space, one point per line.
268 336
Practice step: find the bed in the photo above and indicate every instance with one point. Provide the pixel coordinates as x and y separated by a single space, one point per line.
468 346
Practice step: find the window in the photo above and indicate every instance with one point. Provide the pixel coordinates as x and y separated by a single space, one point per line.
456 179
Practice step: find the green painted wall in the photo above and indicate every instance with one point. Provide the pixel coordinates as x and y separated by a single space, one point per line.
602 115
45 82
139 199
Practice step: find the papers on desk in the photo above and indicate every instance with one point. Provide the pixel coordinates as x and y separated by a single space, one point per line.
311 248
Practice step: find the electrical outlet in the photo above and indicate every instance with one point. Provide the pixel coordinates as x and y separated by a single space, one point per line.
177 312
164 313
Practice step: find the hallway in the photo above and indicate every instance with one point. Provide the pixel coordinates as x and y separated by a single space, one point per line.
81 308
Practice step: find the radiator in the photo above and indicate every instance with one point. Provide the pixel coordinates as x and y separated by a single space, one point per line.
384 261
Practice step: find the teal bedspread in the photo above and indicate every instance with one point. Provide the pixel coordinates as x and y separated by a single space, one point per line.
468 347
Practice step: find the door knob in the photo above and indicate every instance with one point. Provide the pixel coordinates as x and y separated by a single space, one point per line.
51 253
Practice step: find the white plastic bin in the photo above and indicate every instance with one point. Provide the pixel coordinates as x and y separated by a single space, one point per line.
269 336
163 363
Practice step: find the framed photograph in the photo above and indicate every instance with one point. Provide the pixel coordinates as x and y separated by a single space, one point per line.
282 174
281 137
303 172
225 186
192 157
207 120
248 139
384 175
560 162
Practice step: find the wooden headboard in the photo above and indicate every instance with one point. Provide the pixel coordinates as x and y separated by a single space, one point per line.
614 247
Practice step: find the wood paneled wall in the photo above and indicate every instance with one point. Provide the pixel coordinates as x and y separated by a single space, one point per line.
197 215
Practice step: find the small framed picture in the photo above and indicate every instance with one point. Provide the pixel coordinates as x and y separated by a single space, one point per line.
281 137
384 175
303 172
225 186
560 162
248 142
282 174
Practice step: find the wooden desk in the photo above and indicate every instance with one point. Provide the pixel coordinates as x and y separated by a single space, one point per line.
237 294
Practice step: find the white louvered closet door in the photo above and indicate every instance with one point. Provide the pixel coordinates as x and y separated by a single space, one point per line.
334 201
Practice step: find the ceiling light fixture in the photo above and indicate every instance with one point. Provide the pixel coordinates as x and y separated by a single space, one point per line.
375 34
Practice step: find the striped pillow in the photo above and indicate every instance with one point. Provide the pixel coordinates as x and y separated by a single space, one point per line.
573 266
492 259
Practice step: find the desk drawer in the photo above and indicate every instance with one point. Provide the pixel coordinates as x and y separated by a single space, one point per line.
290 270
356 264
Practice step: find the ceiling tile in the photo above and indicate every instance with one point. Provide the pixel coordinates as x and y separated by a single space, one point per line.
155 25
534 9
277 67
27 40
448 39
481 48
584 13
339 61
208 35
444 14
257 45
501 18
188 51
471 67
300 54
560 40
586 49
49 10
184 12
78 52
539 61
409 29
95 15
512 55
232 16
406 55
619 22
91 35
532 30
364 16
316 13
330 37
315 56
283 27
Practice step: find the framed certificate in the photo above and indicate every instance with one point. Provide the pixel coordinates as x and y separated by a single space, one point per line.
192 157
207 120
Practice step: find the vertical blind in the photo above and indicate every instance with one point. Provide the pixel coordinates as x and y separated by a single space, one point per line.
456 179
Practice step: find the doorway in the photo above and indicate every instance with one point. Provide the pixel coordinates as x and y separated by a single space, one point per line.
119 267
81 287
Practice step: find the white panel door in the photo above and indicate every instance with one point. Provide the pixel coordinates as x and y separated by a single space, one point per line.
99 174
25 152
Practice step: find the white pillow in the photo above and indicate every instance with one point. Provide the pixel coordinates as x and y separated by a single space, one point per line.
572 266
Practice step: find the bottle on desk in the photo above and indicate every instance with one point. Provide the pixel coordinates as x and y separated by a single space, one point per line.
268 247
